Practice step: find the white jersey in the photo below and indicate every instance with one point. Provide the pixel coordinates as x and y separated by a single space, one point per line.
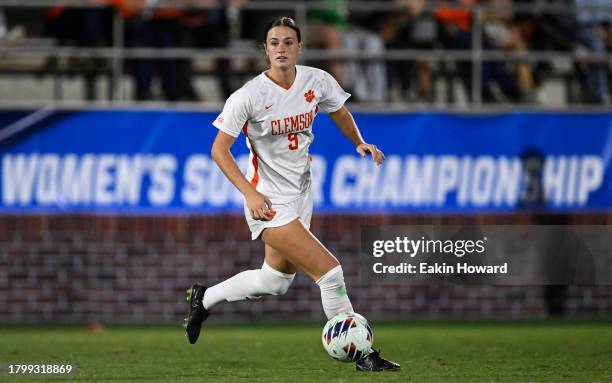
277 123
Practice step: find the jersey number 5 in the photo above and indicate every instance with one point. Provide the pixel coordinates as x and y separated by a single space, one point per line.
293 138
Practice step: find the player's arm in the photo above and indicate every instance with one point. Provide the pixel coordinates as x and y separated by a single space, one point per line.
345 122
259 205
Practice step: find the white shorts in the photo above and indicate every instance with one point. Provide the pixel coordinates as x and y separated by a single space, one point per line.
285 212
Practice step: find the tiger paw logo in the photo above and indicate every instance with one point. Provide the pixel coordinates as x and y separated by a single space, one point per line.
309 95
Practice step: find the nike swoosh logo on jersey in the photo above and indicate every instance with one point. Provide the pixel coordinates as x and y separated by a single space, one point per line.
268 106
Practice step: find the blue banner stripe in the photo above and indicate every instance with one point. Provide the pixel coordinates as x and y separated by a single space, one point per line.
158 162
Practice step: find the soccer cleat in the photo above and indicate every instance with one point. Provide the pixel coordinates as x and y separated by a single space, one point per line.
197 313
374 362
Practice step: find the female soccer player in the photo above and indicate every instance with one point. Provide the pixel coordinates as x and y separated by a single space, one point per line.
275 112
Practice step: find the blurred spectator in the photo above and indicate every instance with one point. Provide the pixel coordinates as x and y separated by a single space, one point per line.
546 31
367 79
81 27
593 19
411 29
204 29
503 31
456 33
325 31
158 28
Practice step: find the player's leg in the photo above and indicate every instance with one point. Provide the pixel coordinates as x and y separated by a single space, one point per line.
303 250
273 278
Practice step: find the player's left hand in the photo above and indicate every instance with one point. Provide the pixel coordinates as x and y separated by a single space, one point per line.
377 155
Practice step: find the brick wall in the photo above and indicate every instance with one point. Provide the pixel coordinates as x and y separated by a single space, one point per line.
79 269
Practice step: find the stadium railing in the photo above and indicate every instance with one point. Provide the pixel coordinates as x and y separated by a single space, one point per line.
118 53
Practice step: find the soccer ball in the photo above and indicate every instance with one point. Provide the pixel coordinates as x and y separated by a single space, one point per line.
347 337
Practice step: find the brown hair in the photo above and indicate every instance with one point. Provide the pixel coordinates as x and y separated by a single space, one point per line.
283 21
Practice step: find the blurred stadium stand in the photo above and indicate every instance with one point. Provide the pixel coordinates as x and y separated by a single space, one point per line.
412 52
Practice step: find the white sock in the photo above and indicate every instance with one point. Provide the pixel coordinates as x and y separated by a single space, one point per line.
333 293
250 284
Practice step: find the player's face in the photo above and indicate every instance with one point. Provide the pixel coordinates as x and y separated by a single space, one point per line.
282 47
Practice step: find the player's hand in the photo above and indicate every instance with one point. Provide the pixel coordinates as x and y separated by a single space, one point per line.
376 154
259 206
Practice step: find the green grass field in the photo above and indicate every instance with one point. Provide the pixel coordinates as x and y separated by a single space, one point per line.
428 352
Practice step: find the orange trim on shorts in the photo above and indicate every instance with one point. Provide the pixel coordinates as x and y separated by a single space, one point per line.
255 179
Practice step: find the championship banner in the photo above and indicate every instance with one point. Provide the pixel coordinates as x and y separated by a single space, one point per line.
158 162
